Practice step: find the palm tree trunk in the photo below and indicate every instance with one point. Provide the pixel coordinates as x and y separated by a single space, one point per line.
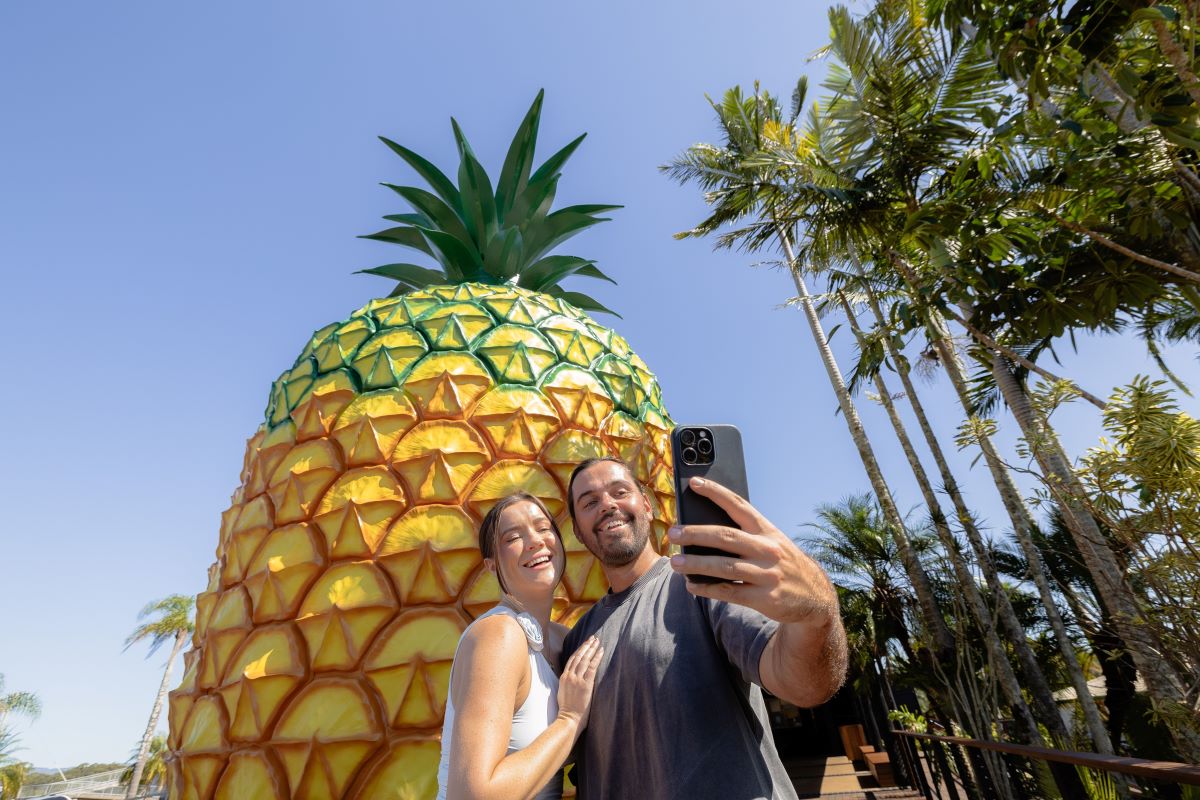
1010 497
1165 688
180 639
1008 617
1021 522
930 613
1046 710
1018 515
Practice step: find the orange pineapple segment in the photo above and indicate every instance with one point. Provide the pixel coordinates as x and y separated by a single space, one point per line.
343 612
429 553
325 735
285 566
369 428
268 666
251 773
357 510
409 665
516 420
439 459
445 385
407 771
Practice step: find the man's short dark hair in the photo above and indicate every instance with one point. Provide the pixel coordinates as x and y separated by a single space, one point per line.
591 462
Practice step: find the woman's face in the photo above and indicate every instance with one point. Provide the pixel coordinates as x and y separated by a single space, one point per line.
528 553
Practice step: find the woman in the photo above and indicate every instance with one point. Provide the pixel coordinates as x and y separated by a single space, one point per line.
510 721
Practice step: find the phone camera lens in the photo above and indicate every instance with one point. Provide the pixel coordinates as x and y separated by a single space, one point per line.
704 446
689 455
688 437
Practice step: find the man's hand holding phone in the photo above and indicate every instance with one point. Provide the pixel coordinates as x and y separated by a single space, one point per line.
773 576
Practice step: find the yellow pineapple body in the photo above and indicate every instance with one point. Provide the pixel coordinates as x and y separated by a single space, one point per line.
347 564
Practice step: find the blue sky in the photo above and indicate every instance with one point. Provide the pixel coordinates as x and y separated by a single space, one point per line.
180 191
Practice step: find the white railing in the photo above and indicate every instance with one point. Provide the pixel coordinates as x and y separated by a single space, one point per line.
101 782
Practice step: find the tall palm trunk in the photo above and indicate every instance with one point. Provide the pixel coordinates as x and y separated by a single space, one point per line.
1011 499
180 639
1046 710
1022 530
939 633
1165 688
1019 515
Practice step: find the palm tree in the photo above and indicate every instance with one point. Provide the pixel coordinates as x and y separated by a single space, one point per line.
172 622
1018 515
1168 689
883 347
1060 561
906 109
739 188
25 704
913 189
741 180
154 771
1038 686
856 545
12 778
859 549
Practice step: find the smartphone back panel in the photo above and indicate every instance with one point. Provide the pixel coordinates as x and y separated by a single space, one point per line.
725 464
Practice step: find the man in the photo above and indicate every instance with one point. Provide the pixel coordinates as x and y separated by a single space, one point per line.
678 710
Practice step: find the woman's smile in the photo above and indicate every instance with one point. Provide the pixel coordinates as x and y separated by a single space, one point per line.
543 560
529 555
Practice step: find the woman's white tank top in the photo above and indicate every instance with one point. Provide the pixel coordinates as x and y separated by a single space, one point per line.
534 716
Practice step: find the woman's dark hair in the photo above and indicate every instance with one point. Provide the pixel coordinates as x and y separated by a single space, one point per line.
489 529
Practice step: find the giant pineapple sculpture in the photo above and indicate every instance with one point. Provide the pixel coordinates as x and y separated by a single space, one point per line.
347 565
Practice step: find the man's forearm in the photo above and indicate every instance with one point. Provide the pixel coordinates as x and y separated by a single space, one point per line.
805 662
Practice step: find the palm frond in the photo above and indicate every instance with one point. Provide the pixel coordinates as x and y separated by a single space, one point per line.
172 615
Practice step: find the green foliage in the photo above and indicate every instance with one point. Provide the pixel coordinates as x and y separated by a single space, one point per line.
1098 785
1029 169
12 777
1144 483
155 770
24 704
1095 138
909 720
474 232
854 542
1050 45
173 616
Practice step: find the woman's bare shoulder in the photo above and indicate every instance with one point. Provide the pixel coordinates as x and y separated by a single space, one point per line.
498 632
493 650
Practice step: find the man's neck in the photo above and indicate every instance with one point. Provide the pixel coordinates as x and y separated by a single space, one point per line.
622 577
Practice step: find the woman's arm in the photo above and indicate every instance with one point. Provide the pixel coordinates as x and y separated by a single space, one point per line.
488 671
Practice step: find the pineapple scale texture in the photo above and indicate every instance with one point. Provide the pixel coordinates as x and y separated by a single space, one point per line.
348 564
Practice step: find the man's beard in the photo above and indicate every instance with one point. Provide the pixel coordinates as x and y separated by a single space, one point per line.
618 553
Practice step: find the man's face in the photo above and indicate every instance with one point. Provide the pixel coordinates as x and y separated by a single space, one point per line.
612 516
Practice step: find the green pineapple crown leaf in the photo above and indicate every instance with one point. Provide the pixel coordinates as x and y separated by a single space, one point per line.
500 236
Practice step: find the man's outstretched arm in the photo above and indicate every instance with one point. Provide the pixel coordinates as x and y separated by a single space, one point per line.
804 663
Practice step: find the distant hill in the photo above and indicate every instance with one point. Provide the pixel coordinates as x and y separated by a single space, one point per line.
50 774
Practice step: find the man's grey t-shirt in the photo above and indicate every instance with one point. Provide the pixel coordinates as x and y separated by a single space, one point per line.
676 712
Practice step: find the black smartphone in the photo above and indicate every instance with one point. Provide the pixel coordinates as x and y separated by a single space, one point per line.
713 452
